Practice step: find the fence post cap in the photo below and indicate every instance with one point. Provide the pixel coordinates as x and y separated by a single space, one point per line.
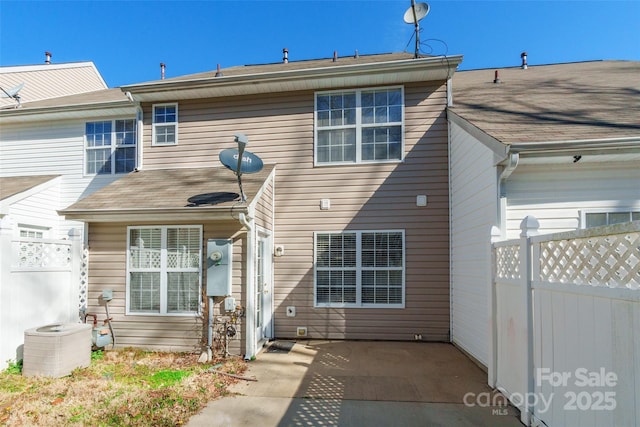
74 234
529 226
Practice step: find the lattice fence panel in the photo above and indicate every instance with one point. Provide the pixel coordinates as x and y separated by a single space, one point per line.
38 254
608 261
84 281
508 262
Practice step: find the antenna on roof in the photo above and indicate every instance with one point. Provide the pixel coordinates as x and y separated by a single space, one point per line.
13 93
413 15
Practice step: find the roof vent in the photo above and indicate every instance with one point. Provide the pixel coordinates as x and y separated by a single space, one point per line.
356 55
47 56
496 79
162 67
335 56
285 55
219 72
523 55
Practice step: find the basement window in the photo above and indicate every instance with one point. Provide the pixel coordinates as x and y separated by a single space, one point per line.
360 269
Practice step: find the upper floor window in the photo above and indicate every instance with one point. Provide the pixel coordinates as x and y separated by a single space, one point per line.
165 124
110 146
359 269
595 219
359 126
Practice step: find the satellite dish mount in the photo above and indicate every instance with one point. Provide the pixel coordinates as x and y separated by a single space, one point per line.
413 15
13 93
241 161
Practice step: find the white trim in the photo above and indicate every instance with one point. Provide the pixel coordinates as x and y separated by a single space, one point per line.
163 269
358 126
154 124
358 268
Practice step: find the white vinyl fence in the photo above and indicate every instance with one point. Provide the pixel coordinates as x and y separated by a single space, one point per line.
566 323
40 283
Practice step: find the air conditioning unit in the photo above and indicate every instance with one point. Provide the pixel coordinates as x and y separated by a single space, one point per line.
56 350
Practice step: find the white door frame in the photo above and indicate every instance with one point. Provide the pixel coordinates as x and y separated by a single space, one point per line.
264 286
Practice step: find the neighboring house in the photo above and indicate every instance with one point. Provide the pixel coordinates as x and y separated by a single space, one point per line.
559 142
68 136
82 131
344 234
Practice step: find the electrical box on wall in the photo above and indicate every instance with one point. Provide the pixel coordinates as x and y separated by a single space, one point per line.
219 262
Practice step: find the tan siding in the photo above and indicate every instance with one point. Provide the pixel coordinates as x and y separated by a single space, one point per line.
107 270
380 196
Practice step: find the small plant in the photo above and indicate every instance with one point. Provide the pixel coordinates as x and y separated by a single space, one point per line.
97 355
14 368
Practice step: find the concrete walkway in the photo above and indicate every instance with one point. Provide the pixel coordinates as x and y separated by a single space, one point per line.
358 383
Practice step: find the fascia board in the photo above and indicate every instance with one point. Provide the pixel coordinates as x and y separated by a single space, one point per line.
146 215
422 69
68 112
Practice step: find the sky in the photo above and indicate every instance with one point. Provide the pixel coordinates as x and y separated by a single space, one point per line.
127 40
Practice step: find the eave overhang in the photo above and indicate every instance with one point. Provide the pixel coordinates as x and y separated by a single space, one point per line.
65 112
368 74
203 213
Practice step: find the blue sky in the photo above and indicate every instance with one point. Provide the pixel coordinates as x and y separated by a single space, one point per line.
127 40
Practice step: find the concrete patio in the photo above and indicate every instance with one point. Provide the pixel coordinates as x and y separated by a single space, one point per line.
360 383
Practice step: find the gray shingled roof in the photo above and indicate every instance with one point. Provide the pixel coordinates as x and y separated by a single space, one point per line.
168 189
12 185
242 70
562 102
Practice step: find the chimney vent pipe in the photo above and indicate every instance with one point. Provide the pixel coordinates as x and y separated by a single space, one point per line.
496 79
162 66
47 56
219 72
523 55
335 56
285 55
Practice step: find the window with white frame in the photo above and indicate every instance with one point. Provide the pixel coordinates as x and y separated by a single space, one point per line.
110 147
595 219
32 231
164 269
359 126
165 124
359 269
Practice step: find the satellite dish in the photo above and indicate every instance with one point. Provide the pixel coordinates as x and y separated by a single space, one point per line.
12 93
241 161
212 198
413 15
250 163
416 12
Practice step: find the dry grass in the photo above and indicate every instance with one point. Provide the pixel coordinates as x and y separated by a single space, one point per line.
127 387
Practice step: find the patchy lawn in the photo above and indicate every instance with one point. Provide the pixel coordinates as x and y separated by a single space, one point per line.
121 387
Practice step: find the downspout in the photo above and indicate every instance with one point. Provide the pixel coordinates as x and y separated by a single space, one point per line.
512 163
248 223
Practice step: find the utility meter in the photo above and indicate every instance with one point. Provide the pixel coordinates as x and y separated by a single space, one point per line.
219 262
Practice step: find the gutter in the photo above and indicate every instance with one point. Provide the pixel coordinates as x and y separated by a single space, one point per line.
250 324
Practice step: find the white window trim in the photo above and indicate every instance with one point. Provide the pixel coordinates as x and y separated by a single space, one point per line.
163 284
113 146
584 212
30 228
154 124
358 126
358 303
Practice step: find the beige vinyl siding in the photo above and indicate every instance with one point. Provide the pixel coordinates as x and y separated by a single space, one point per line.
264 207
107 270
363 197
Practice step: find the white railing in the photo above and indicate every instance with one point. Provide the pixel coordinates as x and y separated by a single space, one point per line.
565 321
41 253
